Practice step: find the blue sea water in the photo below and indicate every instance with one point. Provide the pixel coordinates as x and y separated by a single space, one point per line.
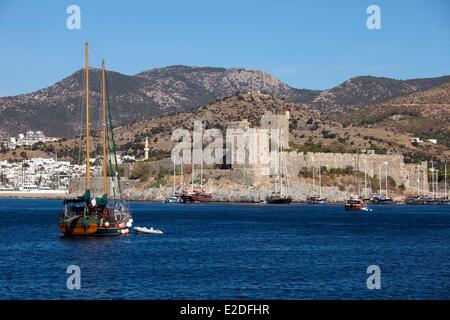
230 251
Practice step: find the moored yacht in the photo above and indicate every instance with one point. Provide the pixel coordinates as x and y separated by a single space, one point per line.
87 215
355 203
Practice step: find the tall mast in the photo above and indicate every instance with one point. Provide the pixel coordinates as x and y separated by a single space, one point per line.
445 181
181 175
357 175
365 176
174 170
418 180
105 156
320 181
314 183
437 183
88 130
432 179
425 187
201 165
386 178
379 178
192 169
280 167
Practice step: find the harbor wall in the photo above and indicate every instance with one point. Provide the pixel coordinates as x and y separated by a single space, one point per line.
403 174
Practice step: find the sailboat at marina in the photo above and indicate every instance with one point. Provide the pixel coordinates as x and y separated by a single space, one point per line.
317 199
382 198
281 186
195 193
355 202
432 197
444 199
88 215
419 198
175 196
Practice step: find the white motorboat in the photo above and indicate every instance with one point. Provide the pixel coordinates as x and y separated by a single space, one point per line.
146 230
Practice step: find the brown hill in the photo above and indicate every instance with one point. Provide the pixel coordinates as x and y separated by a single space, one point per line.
57 110
309 130
423 114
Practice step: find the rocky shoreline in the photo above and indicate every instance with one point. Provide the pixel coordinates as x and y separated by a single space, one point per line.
221 192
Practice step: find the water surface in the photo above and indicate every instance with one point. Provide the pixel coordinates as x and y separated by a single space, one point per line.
230 251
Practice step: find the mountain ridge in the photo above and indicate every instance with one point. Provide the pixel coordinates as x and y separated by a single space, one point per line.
180 88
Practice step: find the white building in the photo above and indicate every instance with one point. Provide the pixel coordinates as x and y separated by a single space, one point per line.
29 139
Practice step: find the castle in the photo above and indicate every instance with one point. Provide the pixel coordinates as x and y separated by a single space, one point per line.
411 176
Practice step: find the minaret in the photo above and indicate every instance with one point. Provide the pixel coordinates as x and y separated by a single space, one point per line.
146 149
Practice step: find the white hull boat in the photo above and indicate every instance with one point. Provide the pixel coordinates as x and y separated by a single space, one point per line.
146 230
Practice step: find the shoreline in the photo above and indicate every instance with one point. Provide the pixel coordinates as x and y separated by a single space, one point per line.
43 196
31 195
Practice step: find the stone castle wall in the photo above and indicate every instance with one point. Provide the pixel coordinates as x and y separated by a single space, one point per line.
403 174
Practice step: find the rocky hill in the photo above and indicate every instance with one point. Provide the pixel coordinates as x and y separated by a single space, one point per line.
58 109
423 114
309 130
360 92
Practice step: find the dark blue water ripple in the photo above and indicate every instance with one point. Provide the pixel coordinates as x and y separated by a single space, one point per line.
226 251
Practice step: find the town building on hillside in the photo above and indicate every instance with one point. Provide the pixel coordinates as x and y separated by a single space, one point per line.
30 138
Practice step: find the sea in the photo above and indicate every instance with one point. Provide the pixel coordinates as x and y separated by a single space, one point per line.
230 251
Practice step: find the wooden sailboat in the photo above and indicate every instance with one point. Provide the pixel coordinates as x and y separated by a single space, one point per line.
86 215
355 202
196 193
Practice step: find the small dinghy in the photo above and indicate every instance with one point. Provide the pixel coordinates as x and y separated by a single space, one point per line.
146 230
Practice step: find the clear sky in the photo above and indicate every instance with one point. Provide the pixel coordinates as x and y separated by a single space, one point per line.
307 44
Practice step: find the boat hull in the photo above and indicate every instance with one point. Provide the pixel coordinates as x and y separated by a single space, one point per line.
79 227
316 200
353 208
279 200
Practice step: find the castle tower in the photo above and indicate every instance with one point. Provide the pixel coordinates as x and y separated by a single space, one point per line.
146 149
277 121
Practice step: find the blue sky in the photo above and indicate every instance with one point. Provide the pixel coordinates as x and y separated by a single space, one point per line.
307 44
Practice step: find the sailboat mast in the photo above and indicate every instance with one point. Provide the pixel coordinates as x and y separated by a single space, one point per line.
432 179
192 170
386 178
445 181
314 183
181 175
320 181
201 167
88 129
365 177
418 180
357 176
105 155
282 172
174 172
379 178
425 187
437 183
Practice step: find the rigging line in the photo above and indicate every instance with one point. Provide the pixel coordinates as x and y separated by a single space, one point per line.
95 52
113 140
82 115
